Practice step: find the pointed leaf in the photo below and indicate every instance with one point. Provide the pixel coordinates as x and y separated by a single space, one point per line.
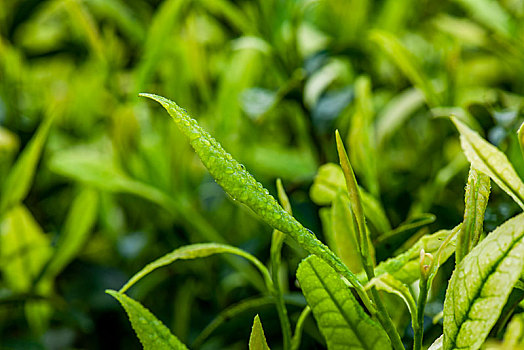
477 195
19 180
243 187
152 333
194 251
257 340
345 233
488 159
340 318
481 284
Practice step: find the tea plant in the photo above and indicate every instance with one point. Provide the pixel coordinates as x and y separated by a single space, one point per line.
487 268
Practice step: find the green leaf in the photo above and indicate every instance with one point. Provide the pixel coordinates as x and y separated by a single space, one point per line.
257 340
514 336
20 178
152 333
330 180
480 286
438 344
78 225
340 318
24 249
345 233
242 186
195 251
405 267
406 63
476 198
488 159
361 140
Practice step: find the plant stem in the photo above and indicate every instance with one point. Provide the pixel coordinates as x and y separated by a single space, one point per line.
421 306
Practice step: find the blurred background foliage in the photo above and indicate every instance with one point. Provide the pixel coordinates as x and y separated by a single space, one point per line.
96 182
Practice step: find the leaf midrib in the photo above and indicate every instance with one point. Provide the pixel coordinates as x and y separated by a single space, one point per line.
479 290
339 307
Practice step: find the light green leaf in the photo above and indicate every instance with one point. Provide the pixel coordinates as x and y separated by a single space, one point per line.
345 233
24 249
406 63
361 140
490 13
330 180
78 225
514 336
20 178
195 251
476 198
340 318
438 344
257 340
480 286
152 333
405 267
488 159
243 187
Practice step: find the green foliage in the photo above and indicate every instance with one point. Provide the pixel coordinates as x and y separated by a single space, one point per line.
341 319
257 340
99 187
481 284
151 332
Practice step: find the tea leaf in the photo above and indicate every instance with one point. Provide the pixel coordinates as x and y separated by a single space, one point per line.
361 140
438 344
488 159
195 251
257 340
330 180
345 233
480 285
477 195
20 178
24 249
78 225
151 332
242 186
406 63
405 267
341 319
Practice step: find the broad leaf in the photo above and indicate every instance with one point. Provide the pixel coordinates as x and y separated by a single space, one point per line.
195 251
257 340
476 198
153 334
481 285
340 318
488 159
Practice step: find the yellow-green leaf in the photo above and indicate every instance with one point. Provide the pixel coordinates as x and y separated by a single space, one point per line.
257 340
